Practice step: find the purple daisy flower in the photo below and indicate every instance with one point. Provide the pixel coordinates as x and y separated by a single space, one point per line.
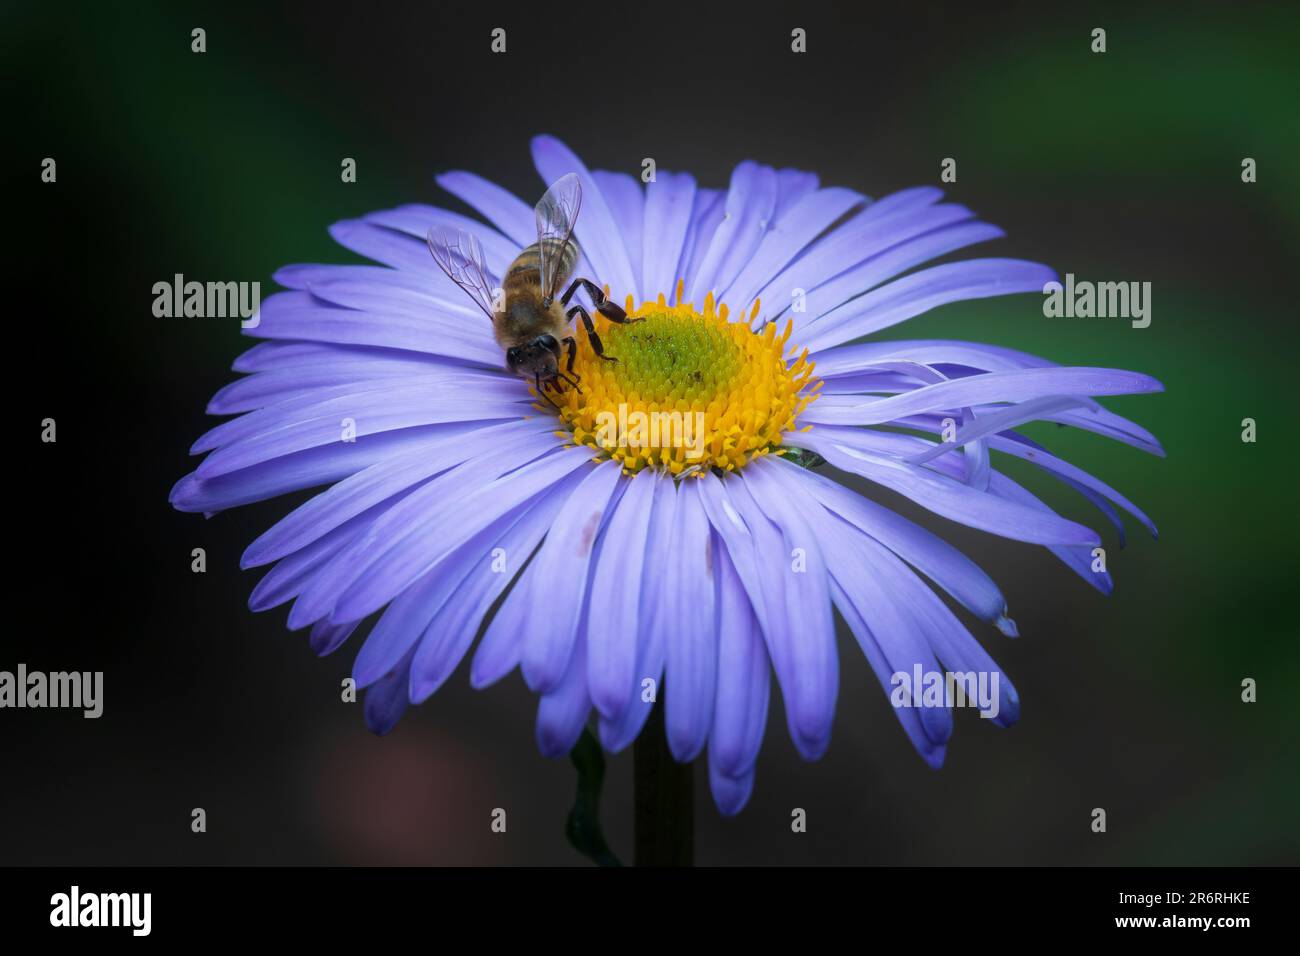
455 485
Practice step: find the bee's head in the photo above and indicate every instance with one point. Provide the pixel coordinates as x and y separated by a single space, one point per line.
535 360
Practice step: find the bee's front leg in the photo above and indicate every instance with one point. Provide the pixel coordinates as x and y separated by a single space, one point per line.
571 344
541 389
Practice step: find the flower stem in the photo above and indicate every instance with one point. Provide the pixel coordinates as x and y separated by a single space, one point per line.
664 823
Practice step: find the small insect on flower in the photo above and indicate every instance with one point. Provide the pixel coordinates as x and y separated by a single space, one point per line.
682 514
526 319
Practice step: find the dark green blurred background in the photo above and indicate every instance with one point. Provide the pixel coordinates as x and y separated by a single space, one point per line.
1122 166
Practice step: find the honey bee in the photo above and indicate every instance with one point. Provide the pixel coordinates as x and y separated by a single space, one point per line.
528 320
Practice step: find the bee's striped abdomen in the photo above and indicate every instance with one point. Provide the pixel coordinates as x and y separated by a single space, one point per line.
527 266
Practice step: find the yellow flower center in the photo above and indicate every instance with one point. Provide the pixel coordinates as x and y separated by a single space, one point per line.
690 391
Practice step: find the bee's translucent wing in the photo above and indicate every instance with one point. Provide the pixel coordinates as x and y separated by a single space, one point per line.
556 214
460 255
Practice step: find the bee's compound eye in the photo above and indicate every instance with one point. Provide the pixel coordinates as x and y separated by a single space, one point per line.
513 357
549 343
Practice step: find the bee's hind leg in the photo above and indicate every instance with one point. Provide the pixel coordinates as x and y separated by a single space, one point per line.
606 308
590 326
